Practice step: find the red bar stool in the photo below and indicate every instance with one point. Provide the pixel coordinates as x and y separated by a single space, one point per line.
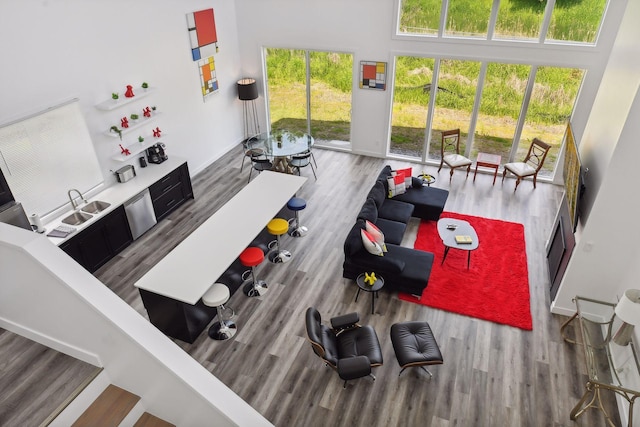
217 296
278 227
252 257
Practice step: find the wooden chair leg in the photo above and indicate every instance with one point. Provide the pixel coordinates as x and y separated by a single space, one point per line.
468 169
517 183
451 174
441 161
535 177
504 173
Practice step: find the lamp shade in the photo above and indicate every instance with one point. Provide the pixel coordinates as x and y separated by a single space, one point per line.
628 308
247 89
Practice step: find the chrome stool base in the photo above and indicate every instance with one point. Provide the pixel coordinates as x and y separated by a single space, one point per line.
222 330
298 232
256 289
280 257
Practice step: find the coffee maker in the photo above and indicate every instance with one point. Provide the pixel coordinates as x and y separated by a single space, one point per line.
156 153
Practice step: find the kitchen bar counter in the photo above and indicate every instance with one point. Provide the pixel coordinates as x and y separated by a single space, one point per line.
172 289
188 271
118 193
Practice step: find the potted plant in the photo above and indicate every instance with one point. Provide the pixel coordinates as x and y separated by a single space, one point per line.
145 85
117 130
134 117
115 96
140 139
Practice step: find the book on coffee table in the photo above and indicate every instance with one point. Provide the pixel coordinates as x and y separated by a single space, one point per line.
464 239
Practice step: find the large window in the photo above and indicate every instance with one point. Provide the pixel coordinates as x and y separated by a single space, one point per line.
560 20
499 108
310 91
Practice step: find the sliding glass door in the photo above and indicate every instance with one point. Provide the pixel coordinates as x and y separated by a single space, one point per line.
310 92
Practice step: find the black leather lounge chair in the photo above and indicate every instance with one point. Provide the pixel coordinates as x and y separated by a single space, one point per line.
352 350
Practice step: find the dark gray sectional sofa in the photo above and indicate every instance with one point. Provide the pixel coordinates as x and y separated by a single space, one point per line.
403 269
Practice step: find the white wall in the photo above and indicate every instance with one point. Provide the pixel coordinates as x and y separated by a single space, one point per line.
605 261
54 50
46 296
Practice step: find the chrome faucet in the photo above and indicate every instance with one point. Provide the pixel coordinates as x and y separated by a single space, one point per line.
73 201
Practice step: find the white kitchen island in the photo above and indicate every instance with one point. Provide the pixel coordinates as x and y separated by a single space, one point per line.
173 288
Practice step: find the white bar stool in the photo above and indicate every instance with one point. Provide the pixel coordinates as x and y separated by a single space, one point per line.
217 295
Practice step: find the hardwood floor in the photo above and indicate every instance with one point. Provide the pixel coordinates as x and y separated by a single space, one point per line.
35 380
493 375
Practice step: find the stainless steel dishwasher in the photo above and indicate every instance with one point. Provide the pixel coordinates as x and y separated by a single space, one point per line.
140 214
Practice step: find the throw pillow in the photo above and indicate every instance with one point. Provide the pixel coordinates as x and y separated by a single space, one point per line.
407 176
377 234
396 185
370 243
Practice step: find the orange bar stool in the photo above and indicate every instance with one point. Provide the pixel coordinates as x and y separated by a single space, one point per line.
252 257
217 296
278 227
296 204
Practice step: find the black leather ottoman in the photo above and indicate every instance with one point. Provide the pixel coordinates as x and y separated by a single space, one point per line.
414 345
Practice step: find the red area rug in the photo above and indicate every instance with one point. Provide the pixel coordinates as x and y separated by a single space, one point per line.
495 287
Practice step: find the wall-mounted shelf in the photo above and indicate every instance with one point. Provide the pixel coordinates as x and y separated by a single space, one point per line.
112 104
143 121
136 148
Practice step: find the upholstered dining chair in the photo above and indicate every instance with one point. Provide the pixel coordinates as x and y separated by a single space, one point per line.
450 152
531 165
350 349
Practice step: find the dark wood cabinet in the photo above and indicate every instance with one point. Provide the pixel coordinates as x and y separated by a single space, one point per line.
5 192
171 191
101 241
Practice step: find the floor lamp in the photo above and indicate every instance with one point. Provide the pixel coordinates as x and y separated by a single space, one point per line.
248 93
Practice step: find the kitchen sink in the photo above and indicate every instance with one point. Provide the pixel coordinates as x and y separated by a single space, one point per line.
95 207
77 218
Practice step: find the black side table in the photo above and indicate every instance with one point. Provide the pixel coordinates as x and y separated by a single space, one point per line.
377 285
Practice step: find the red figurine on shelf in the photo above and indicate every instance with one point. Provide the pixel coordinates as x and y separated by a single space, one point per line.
146 112
129 92
156 132
124 151
124 122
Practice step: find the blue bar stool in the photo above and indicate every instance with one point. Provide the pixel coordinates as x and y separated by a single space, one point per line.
296 204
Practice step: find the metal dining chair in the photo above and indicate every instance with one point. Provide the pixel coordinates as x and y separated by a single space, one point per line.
259 163
302 160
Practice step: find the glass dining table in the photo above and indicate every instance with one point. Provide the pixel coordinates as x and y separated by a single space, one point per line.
281 145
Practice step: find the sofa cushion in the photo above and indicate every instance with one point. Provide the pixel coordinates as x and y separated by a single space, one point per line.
353 242
368 212
378 194
381 265
384 173
393 230
395 210
428 202
417 267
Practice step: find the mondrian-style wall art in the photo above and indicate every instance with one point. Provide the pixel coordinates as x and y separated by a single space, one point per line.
202 34
208 78
373 75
